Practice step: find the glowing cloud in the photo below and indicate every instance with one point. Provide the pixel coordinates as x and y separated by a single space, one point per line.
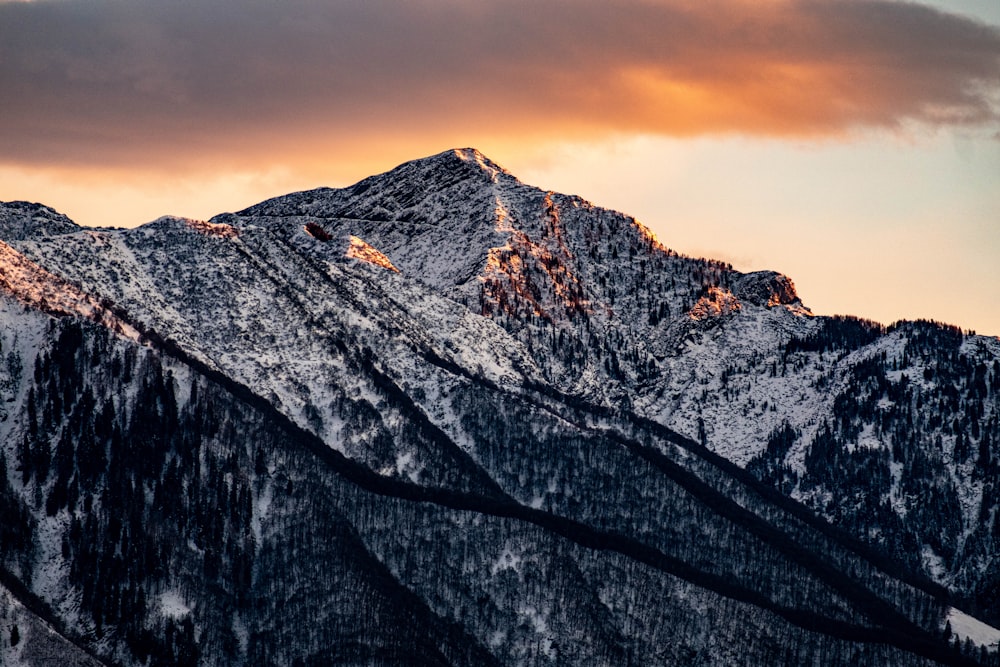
106 82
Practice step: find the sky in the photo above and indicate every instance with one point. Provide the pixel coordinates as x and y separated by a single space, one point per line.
852 144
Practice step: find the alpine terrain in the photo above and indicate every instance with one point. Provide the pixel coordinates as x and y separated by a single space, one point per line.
442 417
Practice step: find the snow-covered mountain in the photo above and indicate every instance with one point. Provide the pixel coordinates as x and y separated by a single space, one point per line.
443 417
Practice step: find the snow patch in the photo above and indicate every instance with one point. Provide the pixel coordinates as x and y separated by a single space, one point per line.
965 627
359 249
262 508
508 560
173 605
407 465
537 622
217 229
933 563
34 286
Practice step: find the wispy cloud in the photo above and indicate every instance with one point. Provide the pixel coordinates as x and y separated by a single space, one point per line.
114 81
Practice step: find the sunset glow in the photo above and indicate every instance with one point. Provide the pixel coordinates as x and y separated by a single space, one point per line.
854 146
361 250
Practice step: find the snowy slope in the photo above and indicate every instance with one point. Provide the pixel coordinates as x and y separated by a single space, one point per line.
965 627
28 641
447 275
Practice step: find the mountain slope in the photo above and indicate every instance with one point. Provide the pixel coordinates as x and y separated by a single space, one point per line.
488 406
732 360
168 507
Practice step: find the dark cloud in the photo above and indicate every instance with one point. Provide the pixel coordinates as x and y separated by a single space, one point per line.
114 81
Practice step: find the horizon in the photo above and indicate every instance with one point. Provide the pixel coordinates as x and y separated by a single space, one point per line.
854 147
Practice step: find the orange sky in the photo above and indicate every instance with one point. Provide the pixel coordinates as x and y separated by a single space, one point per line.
852 144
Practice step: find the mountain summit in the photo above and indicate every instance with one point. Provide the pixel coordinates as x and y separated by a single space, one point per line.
445 417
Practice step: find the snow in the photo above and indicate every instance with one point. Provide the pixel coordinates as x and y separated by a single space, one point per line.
34 286
406 466
442 246
257 298
964 627
173 605
933 563
39 643
21 334
508 560
213 229
536 620
365 252
715 303
261 509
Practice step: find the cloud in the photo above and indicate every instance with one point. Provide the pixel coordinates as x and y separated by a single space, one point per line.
119 81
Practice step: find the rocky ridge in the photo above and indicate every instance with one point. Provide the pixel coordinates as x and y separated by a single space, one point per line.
528 352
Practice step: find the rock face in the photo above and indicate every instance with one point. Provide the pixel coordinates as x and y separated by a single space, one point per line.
443 417
767 288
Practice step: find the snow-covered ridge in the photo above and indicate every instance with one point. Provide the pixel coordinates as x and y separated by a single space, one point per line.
24 220
449 268
34 286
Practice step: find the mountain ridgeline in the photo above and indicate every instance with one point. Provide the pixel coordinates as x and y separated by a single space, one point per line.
442 417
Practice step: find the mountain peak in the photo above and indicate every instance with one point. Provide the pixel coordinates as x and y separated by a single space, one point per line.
436 181
502 410
24 220
439 171
476 157
455 157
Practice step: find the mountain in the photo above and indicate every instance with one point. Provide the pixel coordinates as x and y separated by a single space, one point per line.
443 417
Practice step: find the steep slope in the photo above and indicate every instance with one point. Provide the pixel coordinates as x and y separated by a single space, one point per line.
613 317
527 360
177 518
903 450
592 291
29 641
